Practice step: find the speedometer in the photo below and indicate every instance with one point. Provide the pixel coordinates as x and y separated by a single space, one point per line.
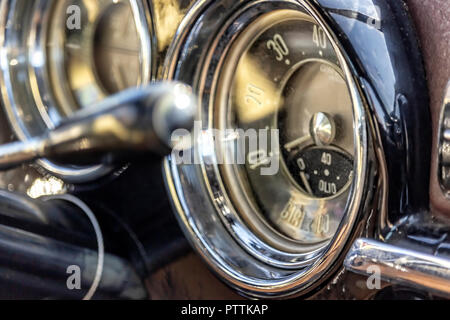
283 75
282 151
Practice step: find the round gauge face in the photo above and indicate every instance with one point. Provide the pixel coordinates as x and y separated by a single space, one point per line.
101 48
117 52
282 89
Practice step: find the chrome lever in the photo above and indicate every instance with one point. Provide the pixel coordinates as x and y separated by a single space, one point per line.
400 265
132 122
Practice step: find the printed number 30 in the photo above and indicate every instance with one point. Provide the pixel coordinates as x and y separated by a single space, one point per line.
278 45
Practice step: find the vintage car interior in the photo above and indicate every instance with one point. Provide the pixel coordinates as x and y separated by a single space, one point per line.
225 149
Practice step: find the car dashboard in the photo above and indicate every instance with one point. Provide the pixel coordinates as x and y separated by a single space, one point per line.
223 149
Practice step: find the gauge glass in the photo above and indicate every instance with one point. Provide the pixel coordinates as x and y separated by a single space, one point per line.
282 80
117 52
108 52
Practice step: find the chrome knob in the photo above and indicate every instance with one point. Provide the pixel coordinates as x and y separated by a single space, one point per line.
323 129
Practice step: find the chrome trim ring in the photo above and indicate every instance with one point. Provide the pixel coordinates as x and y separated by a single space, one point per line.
444 145
30 99
98 234
203 207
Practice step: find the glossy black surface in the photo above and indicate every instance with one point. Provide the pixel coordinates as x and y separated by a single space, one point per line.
384 50
423 233
136 210
41 240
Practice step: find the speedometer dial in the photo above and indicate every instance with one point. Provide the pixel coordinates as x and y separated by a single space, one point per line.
316 124
282 76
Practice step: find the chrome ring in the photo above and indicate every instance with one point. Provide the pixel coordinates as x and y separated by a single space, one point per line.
98 234
443 147
204 211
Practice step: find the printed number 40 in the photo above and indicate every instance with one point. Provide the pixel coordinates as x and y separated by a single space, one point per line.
319 37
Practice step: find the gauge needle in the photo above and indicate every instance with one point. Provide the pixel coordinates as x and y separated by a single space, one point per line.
297 142
306 183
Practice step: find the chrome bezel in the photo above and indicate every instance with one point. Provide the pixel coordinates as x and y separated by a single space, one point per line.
443 171
28 95
205 212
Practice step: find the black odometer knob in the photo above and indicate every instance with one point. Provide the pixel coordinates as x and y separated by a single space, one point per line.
321 172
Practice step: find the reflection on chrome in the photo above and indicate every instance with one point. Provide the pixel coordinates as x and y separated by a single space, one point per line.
401 265
46 187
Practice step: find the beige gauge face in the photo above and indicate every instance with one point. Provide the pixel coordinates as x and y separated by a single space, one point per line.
288 81
117 50
108 52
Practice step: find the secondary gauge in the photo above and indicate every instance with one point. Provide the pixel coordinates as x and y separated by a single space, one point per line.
62 56
283 148
321 172
108 52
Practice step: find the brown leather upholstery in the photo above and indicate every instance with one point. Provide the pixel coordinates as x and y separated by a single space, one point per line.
432 20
